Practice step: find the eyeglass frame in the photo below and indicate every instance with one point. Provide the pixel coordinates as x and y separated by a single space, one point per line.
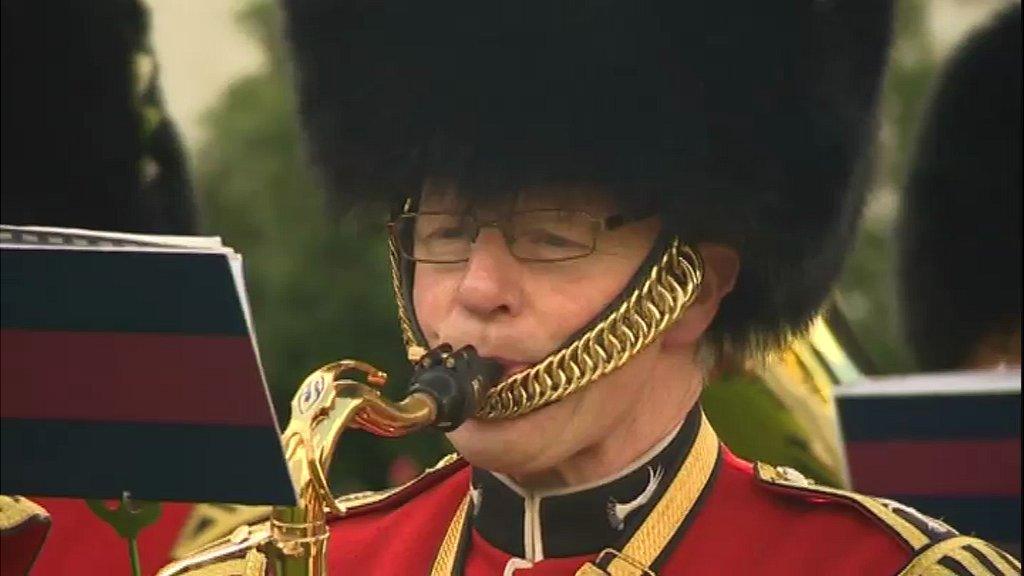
605 224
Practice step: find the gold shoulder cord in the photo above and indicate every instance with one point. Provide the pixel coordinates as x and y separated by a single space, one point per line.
790 478
209 523
670 287
965 550
254 563
651 538
16 510
960 549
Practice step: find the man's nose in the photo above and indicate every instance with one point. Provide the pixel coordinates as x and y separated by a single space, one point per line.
491 282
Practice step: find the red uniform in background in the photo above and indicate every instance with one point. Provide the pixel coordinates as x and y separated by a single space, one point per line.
79 542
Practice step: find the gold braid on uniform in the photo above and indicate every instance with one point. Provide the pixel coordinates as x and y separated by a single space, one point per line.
208 523
15 511
669 288
939 550
962 555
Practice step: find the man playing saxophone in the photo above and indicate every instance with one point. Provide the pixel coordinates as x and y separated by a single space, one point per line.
600 198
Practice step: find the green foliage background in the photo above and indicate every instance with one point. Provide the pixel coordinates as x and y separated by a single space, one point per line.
319 285
867 289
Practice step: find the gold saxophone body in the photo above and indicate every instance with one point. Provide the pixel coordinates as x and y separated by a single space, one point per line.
326 405
294 540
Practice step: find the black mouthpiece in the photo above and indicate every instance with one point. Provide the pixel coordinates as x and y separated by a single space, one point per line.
458 382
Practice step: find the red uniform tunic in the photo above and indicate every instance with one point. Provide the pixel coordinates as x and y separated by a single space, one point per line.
741 519
688 506
744 527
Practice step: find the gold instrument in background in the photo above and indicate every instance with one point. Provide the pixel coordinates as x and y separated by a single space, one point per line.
782 409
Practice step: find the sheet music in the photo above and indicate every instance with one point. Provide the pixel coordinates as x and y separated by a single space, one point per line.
959 382
50 237
45 236
152 339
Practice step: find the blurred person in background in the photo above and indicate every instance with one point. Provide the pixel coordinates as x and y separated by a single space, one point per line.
960 223
959 233
87 144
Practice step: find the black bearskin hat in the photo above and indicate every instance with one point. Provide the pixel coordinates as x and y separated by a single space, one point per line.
86 142
960 261
744 125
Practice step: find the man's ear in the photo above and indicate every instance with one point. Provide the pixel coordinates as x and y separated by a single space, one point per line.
721 267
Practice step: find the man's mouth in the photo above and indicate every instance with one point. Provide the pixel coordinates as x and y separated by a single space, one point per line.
509 366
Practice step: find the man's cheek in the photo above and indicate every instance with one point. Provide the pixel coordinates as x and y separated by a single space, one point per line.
429 298
441 312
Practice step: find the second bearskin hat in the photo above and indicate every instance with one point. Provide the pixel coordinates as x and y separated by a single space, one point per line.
744 123
87 141
960 225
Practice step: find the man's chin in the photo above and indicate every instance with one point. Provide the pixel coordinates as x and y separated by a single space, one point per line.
511 446
482 441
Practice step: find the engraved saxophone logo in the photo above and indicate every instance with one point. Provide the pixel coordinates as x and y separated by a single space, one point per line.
312 392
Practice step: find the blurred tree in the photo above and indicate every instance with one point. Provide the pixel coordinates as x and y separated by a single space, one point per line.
319 286
867 290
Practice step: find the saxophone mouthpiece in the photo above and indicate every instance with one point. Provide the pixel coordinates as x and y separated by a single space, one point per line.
457 381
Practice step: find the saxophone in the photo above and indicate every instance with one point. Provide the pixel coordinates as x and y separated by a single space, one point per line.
447 387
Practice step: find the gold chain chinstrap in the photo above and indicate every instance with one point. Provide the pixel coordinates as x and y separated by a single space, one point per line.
669 288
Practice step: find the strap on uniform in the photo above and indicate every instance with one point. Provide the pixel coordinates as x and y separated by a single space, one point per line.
657 530
649 541
448 555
